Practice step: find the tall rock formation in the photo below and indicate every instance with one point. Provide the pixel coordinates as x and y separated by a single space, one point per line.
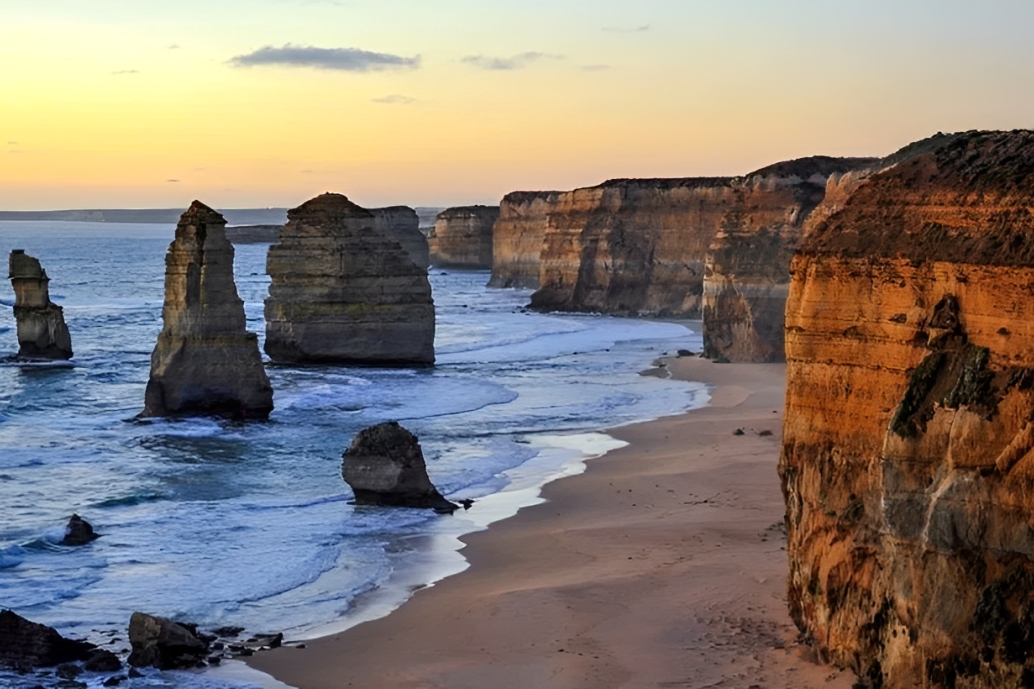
402 224
42 333
908 449
205 361
747 269
344 291
518 236
462 237
632 246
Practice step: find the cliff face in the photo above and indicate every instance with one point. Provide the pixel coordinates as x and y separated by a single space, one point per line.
205 361
462 237
518 236
42 333
344 291
402 224
747 271
908 456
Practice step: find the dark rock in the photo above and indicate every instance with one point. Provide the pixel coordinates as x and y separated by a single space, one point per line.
684 352
214 660
68 671
738 431
134 673
385 466
28 644
266 640
467 503
164 644
765 434
114 681
78 532
102 661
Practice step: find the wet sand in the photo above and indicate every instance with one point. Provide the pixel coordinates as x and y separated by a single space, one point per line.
663 565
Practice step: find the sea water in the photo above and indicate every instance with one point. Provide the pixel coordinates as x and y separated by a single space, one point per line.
249 524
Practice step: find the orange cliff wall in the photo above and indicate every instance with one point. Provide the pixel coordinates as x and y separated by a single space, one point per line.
462 237
908 455
517 238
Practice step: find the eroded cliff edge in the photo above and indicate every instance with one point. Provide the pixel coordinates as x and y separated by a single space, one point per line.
205 360
344 290
908 456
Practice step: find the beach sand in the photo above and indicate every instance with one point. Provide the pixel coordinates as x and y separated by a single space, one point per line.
663 565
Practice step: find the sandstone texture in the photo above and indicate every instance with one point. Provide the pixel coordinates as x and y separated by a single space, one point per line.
908 447
42 333
518 236
26 645
462 237
344 291
164 644
747 270
205 361
385 466
402 224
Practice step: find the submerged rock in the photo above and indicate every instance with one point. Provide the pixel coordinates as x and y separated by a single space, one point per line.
42 333
908 444
344 291
385 466
78 532
462 237
164 644
25 644
205 361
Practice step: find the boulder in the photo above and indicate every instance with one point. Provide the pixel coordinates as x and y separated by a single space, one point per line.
26 645
205 361
385 466
344 291
78 532
42 333
462 237
164 644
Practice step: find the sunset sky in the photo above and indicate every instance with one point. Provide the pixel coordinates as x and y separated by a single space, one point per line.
241 103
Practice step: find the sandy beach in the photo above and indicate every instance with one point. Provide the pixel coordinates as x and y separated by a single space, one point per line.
663 565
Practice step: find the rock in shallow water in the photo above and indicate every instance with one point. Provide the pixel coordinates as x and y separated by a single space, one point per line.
42 333
25 644
164 644
78 531
205 361
385 466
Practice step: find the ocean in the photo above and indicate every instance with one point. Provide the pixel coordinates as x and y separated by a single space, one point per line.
224 523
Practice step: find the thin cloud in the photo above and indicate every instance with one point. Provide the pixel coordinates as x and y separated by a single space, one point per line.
519 61
335 59
172 181
595 68
394 99
12 143
126 71
174 46
627 29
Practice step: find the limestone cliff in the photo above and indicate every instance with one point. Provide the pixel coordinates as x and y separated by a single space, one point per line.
42 333
344 291
205 361
402 224
462 237
908 455
747 270
517 237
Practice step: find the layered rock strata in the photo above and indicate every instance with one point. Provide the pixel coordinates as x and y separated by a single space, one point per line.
402 224
518 236
42 333
385 466
344 291
205 361
462 237
908 455
747 267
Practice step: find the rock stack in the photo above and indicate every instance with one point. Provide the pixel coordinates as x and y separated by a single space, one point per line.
343 291
42 333
462 237
908 447
205 361
517 238
402 224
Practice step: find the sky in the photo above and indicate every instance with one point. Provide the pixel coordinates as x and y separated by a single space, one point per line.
256 103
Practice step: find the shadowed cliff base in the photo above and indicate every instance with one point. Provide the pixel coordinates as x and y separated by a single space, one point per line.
908 446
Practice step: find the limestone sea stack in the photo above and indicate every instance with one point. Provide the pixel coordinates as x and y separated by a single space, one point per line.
205 361
42 333
747 268
344 291
517 238
908 447
385 466
402 224
462 237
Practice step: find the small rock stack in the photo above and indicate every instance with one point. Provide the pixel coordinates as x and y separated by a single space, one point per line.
42 333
